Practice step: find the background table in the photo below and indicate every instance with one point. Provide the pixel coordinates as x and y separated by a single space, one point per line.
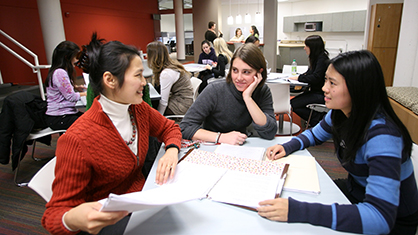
208 217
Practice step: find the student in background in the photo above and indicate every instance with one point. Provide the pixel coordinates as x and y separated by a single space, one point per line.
254 40
224 56
238 36
371 143
224 110
104 151
207 57
174 81
318 63
211 34
61 98
254 31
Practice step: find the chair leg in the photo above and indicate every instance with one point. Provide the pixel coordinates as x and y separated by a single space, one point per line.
33 152
17 171
309 120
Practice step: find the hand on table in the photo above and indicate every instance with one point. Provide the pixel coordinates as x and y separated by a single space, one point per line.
208 67
274 209
275 152
294 78
167 166
233 138
88 218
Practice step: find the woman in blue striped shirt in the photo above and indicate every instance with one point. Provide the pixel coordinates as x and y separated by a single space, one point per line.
371 143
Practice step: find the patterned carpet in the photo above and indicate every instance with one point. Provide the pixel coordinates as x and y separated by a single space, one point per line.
21 209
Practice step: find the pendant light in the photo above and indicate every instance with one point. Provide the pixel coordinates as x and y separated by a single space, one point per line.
238 19
258 17
230 18
247 17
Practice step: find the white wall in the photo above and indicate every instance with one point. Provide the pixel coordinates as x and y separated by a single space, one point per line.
354 40
229 30
406 69
168 23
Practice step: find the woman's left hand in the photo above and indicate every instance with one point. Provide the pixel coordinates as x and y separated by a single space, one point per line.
167 166
274 209
250 89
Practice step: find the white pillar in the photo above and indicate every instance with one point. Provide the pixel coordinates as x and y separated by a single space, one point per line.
180 43
52 25
270 33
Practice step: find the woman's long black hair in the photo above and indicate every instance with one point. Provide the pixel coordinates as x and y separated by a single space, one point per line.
317 47
366 86
61 59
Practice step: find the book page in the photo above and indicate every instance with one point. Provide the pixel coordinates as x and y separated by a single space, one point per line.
256 153
245 189
190 182
302 175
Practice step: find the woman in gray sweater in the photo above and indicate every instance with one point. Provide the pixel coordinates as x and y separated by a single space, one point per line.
224 110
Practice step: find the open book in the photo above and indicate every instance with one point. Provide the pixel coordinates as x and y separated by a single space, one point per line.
239 181
302 175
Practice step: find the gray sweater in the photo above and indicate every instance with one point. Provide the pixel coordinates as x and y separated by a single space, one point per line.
221 108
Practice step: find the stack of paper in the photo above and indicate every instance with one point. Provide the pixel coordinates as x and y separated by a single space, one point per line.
302 175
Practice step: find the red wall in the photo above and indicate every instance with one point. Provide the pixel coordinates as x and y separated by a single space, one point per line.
128 21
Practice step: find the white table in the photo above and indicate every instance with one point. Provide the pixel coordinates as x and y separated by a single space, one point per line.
208 217
194 68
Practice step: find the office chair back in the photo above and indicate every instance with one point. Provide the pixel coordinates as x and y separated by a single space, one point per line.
41 183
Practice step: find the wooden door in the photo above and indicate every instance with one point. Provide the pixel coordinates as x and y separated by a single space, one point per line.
384 29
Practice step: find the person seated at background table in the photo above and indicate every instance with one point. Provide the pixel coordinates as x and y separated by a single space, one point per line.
174 81
318 63
238 36
207 57
254 40
210 34
224 110
61 98
104 150
254 31
223 54
371 143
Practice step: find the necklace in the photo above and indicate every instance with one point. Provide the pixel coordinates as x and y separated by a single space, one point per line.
131 116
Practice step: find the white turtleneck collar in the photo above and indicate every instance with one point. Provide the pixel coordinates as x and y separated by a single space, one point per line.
119 115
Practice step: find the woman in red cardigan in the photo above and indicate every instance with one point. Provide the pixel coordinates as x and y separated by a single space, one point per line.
104 150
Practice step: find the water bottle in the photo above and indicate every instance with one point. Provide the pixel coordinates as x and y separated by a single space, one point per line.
294 67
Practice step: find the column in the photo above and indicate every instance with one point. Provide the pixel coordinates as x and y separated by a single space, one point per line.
270 33
51 24
180 43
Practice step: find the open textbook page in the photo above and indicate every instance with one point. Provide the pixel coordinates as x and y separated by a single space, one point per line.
247 181
202 174
190 182
302 175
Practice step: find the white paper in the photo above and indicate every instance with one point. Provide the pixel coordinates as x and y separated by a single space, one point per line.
302 175
245 189
191 181
256 153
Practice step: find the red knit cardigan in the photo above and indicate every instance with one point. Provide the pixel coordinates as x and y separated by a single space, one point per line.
93 160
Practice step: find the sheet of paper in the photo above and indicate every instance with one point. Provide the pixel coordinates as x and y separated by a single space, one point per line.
245 189
256 153
86 79
302 175
190 182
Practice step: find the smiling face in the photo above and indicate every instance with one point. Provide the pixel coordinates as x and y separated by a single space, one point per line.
206 48
133 85
336 91
239 32
242 74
